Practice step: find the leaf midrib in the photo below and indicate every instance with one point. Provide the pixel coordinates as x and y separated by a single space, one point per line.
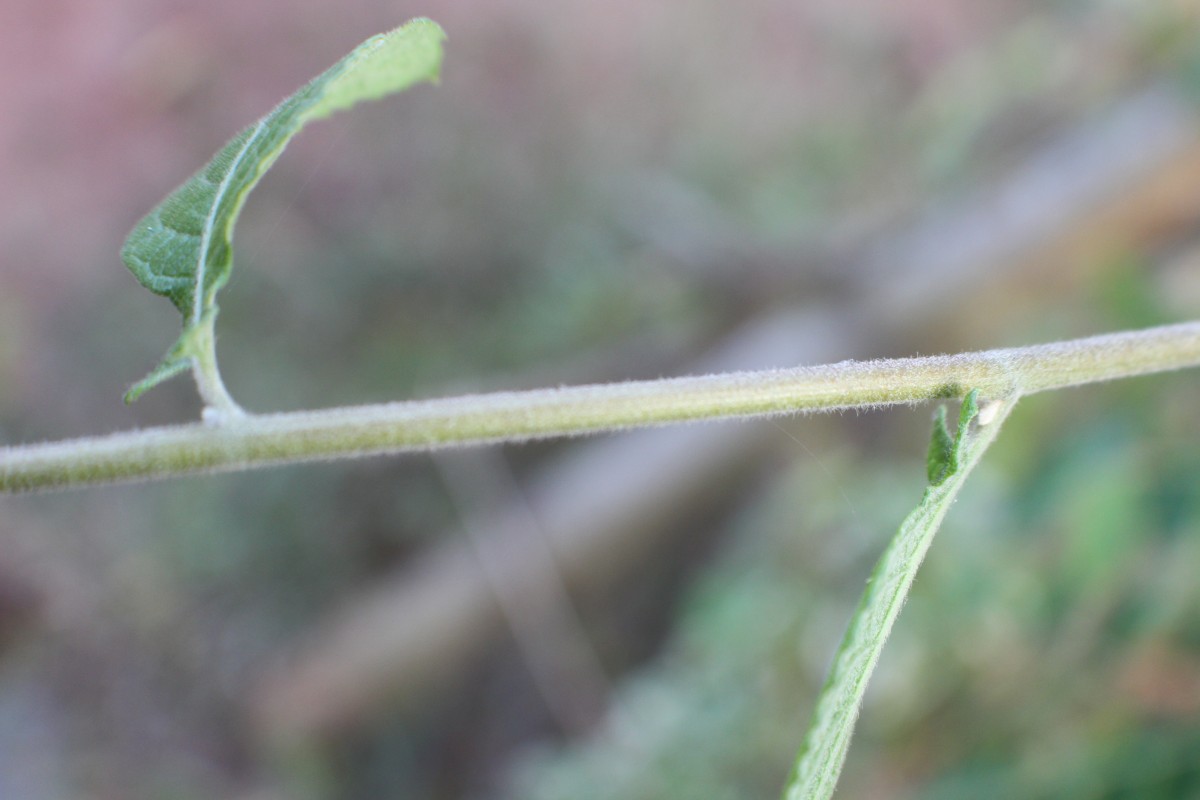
210 221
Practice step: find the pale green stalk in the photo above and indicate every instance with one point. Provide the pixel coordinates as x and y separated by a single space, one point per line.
260 439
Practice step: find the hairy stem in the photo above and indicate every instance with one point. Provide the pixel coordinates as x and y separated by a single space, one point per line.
261 439
218 403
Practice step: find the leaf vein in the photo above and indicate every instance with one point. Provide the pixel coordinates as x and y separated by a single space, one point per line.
210 221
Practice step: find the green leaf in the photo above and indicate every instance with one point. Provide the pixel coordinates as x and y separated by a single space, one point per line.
183 249
939 459
819 763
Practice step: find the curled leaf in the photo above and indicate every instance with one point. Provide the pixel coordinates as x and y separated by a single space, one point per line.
183 249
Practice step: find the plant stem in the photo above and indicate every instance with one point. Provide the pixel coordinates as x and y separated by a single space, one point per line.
219 405
262 439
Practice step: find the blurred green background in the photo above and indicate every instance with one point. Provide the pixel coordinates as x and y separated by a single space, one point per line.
603 191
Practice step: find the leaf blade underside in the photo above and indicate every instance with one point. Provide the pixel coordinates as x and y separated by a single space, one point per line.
183 249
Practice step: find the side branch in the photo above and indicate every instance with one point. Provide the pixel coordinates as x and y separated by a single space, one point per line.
263 439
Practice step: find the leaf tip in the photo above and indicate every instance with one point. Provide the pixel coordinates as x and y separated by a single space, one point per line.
168 369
